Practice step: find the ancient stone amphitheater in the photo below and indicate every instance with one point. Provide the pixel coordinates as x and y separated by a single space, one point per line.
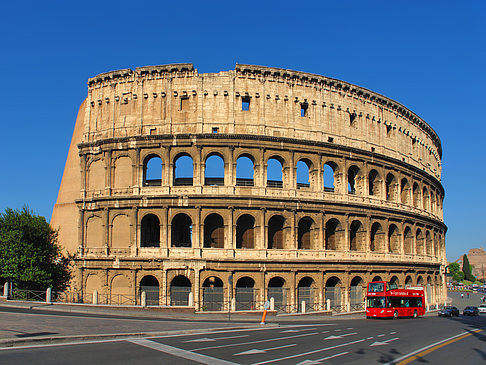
222 190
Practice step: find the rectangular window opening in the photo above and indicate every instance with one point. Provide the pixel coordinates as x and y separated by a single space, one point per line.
330 139
184 103
245 103
303 109
215 130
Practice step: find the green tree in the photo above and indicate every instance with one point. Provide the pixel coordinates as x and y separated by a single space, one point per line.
454 267
458 276
30 256
467 269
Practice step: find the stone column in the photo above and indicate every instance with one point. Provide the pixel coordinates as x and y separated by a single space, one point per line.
164 234
263 242
228 241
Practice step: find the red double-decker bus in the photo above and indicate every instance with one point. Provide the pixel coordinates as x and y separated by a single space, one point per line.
387 301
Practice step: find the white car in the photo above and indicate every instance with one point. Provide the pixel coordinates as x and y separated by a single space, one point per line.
482 308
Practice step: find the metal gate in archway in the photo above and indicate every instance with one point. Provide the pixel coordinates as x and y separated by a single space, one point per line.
356 299
305 294
333 293
151 294
245 299
279 296
213 299
179 295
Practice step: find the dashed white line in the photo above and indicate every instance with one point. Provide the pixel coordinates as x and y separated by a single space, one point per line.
381 335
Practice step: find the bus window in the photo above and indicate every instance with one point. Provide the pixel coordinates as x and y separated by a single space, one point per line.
376 287
376 302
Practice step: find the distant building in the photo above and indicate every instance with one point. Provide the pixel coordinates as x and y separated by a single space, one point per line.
477 258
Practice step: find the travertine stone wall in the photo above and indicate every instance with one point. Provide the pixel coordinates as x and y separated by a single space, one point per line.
383 213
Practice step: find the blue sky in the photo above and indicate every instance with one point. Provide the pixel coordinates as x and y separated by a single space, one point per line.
429 56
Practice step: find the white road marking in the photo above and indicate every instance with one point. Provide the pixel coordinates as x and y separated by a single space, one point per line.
304 329
207 339
324 331
349 328
369 338
203 359
259 341
337 330
392 333
381 343
340 336
332 356
381 335
310 352
261 351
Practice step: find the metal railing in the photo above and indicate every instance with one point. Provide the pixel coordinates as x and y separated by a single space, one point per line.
29 295
244 182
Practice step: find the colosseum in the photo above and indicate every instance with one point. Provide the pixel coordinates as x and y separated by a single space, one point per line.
219 191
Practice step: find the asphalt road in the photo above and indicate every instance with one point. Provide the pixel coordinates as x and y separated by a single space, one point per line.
454 341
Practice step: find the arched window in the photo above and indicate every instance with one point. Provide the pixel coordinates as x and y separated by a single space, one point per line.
303 167
390 187
333 228
274 172
416 195
394 283
152 170
394 238
353 172
426 198
150 235
419 239
377 238
150 285
408 281
244 171
408 241
305 239
374 183
276 238
181 233
356 236
428 243
405 191
329 171
214 171
245 232
214 231
183 170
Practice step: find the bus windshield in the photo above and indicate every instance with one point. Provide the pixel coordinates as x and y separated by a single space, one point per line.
376 287
376 302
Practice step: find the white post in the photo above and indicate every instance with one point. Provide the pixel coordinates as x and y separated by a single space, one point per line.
302 306
95 297
143 299
272 304
5 290
233 304
191 300
328 304
49 295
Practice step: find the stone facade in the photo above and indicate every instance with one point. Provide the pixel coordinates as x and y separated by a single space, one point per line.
370 208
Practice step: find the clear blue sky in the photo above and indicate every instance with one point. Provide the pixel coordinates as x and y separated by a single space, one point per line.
427 55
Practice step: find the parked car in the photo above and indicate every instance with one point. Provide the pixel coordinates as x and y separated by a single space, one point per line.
470 311
449 311
482 308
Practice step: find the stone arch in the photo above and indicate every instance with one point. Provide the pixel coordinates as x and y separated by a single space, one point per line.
357 236
329 175
94 232
120 232
245 293
306 293
377 238
93 282
181 231
356 293
353 173
214 231
419 240
150 285
377 278
374 183
416 195
407 241
408 281
276 232
333 234
121 292
305 234
214 170
393 238
152 170
245 170
245 231
96 175
394 282
150 231
276 289
122 177
428 243
213 294
303 169
333 292
275 169
391 187
180 288
425 198
405 191
183 169
420 280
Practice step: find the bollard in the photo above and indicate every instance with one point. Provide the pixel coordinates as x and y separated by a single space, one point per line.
95 297
5 290
302 306
49 295
328 304
143 299
272 304
190 301
233 304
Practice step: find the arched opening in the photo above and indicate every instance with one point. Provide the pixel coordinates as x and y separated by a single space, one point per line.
245 232
214 170
393 239
390 187
426 198
150 231
405 191
357 236
420 281
214 231
244 171
428 243
213 294
150 285
353 172
333 228
303 168
245 294
377 278
304 234
180 288
305 292
377 236
181 232
356 296
333 293
274 173
152 170
276 237
419 240
429 298
277 291
408 241
374 183
183 170
416 195
432 202
408 281
394 283
329 171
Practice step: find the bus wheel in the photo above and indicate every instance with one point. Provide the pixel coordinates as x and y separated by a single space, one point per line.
415 314
395 315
